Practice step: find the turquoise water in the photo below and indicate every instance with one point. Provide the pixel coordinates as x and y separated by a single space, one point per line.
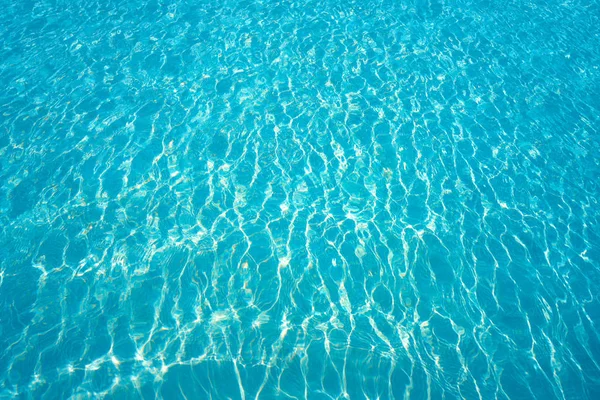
300 199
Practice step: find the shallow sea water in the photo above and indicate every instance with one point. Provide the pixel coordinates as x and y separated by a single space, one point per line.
300 199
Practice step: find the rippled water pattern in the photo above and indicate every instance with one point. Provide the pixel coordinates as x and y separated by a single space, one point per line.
300 199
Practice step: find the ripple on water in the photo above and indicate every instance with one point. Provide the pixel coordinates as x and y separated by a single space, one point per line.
260 199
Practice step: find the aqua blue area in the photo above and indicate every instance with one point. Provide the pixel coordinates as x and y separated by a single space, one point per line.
300 199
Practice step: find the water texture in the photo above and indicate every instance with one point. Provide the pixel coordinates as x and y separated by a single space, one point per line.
300 199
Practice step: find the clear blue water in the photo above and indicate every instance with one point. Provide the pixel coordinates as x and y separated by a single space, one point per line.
292 199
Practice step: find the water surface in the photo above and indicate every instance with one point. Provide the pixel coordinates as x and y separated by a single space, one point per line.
291 199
